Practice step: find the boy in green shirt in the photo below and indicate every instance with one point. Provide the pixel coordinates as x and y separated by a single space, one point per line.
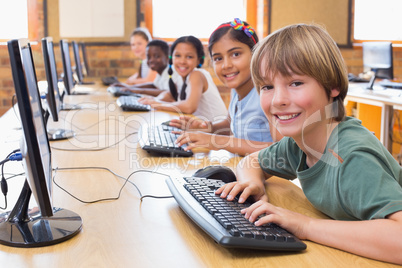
343 169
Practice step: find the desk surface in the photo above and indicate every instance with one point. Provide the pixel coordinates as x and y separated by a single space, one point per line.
151 233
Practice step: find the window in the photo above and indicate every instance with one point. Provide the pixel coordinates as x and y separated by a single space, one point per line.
174 18
14 14
378 20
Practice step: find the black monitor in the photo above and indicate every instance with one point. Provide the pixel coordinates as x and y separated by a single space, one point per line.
85 69
44 225
54 100
68 72
377 56
78 65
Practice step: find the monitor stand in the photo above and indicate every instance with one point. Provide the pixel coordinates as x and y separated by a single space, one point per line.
69 107
59 134
27 228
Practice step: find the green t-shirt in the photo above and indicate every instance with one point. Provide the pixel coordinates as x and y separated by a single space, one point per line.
356 177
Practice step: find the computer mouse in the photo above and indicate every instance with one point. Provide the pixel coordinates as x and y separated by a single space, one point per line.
217 173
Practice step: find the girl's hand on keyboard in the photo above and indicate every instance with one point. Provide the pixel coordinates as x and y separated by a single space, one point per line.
247 189
148 100
295 223
195 139
191 123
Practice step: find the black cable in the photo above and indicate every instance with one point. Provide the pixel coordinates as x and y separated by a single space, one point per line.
94 149
126 180
3 182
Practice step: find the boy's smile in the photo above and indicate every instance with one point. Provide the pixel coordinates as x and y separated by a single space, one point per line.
292 103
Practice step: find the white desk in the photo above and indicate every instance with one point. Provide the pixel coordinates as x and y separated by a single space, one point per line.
387 99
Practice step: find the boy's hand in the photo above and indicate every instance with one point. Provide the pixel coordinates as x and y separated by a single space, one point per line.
247 189
295 223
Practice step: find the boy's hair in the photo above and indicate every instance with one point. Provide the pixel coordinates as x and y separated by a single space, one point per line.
141 31
305 50
161 44
200 54
238 30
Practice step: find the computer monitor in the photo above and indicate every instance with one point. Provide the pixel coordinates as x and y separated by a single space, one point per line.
377 56
85 69
44 225
54 101
78 65
52 95
68 72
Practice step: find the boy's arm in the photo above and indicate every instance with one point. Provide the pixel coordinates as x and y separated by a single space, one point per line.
379 239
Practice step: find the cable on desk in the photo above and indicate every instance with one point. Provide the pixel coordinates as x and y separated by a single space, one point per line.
126 180
94 149
13 156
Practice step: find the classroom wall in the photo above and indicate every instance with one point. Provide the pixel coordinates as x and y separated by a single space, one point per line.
105 60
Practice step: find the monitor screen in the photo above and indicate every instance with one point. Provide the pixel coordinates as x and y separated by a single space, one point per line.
77 59
45 225
377 57
68 72
53 94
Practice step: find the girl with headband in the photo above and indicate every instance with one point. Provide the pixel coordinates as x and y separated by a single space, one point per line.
196 93
245 129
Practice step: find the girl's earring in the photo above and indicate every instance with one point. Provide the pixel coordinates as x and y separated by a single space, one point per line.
199 65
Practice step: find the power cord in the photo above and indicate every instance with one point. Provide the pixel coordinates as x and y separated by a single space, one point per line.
126 180
13 156
95 149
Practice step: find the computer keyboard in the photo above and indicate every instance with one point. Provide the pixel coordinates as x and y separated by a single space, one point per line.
390 84
160 140
130 103
118 91
221 219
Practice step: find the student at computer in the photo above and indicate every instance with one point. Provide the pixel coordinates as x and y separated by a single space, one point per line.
196 92
139 39
245 129
157 58
344 170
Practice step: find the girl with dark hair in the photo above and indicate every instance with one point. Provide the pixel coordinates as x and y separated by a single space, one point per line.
245 129
196 94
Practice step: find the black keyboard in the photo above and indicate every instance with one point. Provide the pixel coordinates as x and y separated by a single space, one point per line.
118 91
390 84
130 103
222 220
160 140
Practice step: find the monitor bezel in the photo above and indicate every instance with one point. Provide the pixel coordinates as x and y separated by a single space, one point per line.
53 93
68 72
77 59
39 184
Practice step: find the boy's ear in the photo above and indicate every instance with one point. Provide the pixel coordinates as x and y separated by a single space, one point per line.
334 92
